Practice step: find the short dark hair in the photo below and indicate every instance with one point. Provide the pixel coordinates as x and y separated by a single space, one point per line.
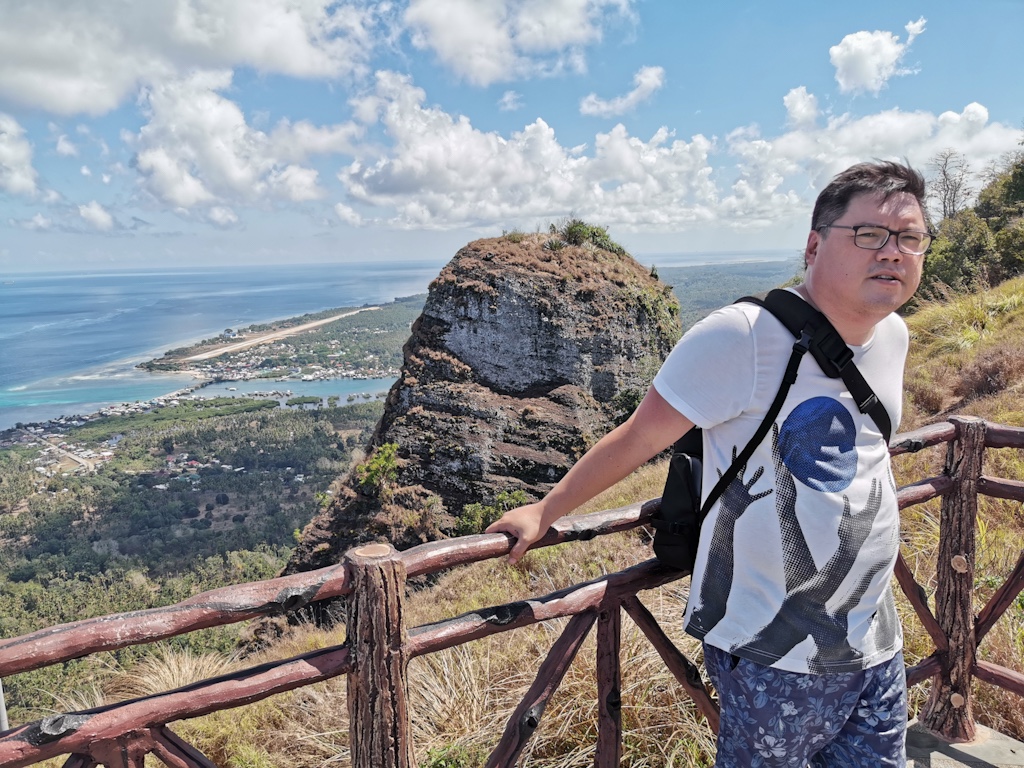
886 178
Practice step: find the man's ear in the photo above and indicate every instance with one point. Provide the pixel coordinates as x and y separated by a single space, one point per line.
811 250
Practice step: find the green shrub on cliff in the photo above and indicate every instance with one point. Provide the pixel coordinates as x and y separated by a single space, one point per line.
476 517
578 232
377 474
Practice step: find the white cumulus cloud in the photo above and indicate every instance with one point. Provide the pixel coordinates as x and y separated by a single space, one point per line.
866 61
497 40
807 156
441 172
915 28
510 101
65 147
647 81
198 147
222 216
37 223
97 216
126 45
801 106
437 170
347 214
17 175
297 141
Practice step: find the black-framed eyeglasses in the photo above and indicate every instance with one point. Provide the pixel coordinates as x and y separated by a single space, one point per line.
874 238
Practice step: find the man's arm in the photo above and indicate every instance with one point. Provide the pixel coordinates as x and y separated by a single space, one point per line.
652 428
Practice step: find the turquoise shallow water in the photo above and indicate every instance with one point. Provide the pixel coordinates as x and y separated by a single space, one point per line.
69 343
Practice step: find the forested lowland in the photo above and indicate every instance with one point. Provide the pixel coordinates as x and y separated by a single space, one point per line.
700 289
193 497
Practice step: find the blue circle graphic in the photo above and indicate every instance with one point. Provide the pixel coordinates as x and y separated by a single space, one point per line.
818 444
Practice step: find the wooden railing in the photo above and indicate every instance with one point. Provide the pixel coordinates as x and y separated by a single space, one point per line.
378 645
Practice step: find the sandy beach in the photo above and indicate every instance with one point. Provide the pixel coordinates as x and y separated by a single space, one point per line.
264 338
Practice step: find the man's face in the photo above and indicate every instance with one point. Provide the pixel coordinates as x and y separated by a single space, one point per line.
857 285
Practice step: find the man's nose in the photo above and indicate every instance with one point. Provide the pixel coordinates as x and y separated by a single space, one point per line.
891 249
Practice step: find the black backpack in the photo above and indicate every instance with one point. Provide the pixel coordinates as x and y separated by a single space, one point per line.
677 523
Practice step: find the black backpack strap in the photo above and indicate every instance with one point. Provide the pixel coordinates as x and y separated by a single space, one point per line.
816 334
832 354
799 349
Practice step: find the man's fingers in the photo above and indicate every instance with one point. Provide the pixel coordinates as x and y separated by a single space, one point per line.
517 551
519 548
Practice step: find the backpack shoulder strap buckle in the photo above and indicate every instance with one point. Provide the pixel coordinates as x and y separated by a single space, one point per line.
831 352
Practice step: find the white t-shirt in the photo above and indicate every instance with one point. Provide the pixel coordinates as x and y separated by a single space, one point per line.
796 558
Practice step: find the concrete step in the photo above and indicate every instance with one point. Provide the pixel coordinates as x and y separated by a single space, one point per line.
990 749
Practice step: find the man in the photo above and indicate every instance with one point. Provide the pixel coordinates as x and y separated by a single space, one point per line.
791 589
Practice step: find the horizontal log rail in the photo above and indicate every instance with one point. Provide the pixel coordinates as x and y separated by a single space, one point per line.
78 732
122 734
925 437
229 605
215 608
590 595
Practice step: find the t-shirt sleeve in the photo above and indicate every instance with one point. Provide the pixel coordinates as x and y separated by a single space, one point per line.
709 376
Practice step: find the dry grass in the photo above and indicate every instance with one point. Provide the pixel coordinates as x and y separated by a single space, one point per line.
461 698
967 357
963 348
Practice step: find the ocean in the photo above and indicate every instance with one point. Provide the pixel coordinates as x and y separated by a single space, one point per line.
69 342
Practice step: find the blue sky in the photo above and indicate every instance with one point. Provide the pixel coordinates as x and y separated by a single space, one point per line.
185 132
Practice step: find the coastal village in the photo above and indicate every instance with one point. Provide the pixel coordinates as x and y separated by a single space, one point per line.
58 455
290 353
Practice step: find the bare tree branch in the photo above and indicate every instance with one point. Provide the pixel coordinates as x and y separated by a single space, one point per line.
949 188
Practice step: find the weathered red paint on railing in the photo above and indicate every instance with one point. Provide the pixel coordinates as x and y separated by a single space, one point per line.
217 607
229 605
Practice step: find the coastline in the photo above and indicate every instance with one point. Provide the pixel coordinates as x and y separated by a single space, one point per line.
268 389
129 384
87 362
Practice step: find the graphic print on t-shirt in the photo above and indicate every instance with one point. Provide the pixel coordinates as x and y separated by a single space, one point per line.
735 499
815 446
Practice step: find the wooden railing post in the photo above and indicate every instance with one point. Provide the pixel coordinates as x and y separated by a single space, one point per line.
378 699
609 686
949 711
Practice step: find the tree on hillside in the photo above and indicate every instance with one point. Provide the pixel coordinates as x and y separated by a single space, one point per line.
1009 243
1001 201
979 245
961 254
949 185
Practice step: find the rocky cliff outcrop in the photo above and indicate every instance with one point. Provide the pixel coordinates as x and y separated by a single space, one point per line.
527 351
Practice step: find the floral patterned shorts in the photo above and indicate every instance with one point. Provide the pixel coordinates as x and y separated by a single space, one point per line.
774 719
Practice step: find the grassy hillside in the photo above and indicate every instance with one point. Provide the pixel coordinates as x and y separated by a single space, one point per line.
967 357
